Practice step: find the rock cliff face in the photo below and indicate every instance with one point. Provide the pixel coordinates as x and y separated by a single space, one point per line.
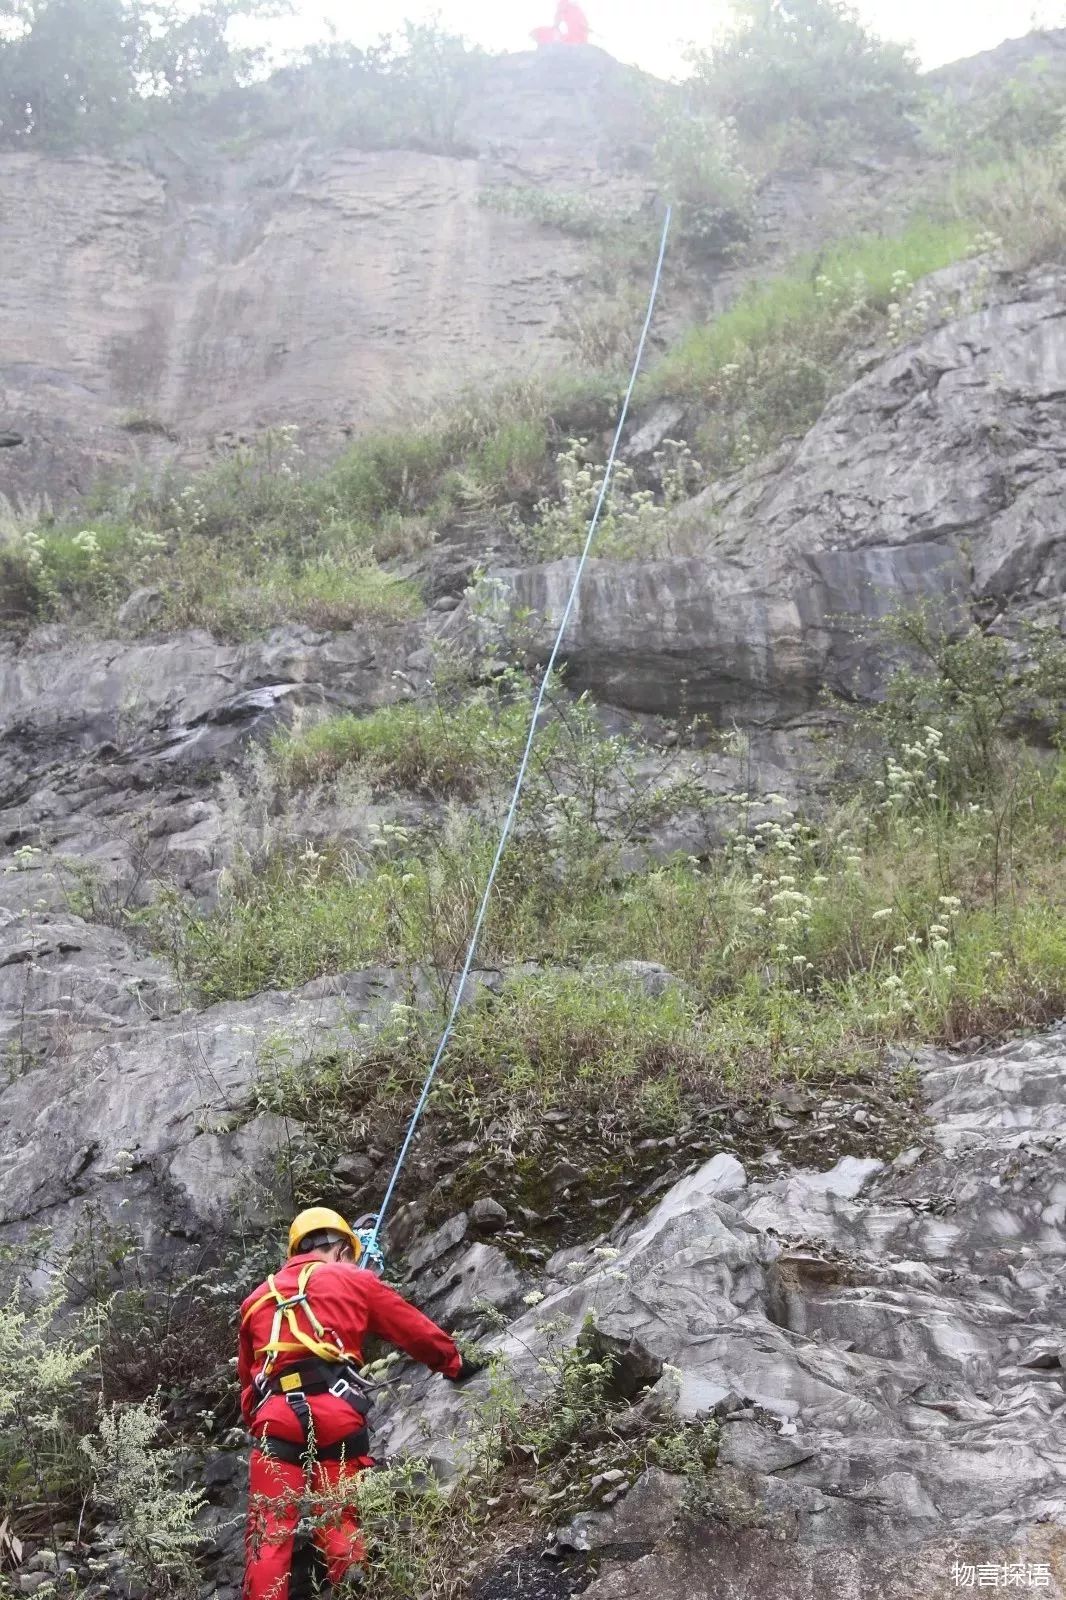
880 1341
195 294
937 476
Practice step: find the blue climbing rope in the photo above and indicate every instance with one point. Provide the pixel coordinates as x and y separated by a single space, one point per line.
370 1236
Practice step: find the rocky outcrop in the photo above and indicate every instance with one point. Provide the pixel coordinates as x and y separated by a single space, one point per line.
1028 57
937 477
185 293
881 1344
112 752
147 1114
189 295
117 1094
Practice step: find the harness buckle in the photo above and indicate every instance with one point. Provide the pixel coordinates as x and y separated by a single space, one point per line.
354 1392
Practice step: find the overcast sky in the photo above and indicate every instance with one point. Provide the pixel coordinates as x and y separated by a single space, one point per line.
653 33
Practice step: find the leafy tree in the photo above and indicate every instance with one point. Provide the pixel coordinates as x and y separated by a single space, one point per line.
811 65
84 72
407 90
66 70
185 51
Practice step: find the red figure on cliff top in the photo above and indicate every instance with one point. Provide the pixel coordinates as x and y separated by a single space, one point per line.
570 26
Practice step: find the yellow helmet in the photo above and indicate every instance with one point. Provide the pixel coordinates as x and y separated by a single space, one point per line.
317 1220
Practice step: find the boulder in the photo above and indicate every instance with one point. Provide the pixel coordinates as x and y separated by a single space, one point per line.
932 478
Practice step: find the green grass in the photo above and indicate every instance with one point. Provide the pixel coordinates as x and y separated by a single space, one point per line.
218 593
262 538
765 368
785 308
798 955
203 582
457 749
492 447
841 918
935 883
927 906
389 472
1019 204
574 211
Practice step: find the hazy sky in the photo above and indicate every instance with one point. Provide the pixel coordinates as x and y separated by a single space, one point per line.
652 33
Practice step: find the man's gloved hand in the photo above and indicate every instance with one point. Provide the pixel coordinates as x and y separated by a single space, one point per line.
471 1366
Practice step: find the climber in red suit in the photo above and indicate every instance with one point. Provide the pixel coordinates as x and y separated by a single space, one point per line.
570 26
301 1339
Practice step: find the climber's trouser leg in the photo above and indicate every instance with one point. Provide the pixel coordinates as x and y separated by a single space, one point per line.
337 1534
275 1491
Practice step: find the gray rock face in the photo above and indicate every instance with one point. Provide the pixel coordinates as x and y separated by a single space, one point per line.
166 697
158 304
1042 51
936 476
150 1118
110 753
893 1333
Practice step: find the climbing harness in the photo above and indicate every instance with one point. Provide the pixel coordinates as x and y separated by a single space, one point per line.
373 1233
320 1342
307 1378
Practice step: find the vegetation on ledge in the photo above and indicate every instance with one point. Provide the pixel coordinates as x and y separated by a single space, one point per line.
924 907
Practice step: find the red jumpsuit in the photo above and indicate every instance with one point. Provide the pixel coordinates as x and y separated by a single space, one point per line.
570 26
349 1303
571 23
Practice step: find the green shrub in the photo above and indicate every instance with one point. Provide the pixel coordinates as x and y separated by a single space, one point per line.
634 522
950 714
1001 122
136 1479
698 168
86 72
52 570
407 90
603 326
77 73
509 462
572 211
804 79
1020 205
396 471
42 1395
210 587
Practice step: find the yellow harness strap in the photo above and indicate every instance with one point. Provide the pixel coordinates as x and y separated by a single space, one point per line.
314 1343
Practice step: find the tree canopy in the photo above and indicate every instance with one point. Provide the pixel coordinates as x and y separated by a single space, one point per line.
811 64
84 72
